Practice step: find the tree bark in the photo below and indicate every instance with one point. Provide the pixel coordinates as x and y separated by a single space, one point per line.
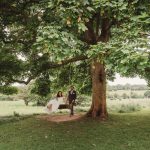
98 75
98 107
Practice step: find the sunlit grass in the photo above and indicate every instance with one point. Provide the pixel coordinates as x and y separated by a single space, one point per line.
128 92
7 108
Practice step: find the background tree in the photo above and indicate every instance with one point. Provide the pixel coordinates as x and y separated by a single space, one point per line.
41 87
125 96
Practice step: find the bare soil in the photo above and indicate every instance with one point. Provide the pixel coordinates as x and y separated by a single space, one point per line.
59 118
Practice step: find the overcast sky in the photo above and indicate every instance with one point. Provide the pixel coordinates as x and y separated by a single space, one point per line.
123 80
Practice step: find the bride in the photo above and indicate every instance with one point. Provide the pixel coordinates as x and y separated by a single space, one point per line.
53 104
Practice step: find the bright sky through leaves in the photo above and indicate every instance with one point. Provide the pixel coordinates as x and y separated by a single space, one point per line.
123 80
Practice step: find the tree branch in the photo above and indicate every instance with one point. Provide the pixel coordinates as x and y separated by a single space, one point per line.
52 65
97 24
67 61
105 30
23 82
90 35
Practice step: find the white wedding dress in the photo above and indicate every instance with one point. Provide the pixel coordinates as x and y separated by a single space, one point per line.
52 105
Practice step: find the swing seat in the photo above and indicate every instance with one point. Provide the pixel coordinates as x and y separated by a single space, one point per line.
66 106
63 106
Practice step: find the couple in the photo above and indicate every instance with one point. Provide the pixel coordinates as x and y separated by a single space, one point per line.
58 102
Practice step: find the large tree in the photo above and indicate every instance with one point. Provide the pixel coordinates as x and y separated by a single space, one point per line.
111 35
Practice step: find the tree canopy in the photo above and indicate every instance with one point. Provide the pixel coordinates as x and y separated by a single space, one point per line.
41 35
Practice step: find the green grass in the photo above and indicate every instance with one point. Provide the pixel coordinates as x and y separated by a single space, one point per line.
7 108
121 132
127 131
128 92
123 105
128 105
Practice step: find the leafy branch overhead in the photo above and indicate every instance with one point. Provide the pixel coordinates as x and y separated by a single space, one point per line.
39 35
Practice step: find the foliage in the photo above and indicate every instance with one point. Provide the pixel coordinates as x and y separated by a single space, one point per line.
8 90
125 96
72 74
27 93
42 85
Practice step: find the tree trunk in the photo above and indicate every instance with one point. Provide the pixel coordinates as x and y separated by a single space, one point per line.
98 74
98 107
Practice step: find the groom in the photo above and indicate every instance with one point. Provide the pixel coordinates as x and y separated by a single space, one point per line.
71 98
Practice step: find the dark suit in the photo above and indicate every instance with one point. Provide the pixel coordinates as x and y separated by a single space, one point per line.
71 98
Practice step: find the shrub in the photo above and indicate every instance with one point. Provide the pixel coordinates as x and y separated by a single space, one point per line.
147 94
129 108
116 95
134 95
83 100
16 114
125 96
8 90
110 96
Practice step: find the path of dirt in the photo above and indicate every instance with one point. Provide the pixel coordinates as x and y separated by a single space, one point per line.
59 118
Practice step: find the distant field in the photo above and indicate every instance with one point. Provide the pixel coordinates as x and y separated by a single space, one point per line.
7 108
120 92
118 104
128 105
121 105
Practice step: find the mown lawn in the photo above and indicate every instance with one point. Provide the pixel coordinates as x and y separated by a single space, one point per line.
121 132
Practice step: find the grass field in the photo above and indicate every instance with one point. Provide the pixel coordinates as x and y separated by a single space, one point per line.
7 108
120 92
121 132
